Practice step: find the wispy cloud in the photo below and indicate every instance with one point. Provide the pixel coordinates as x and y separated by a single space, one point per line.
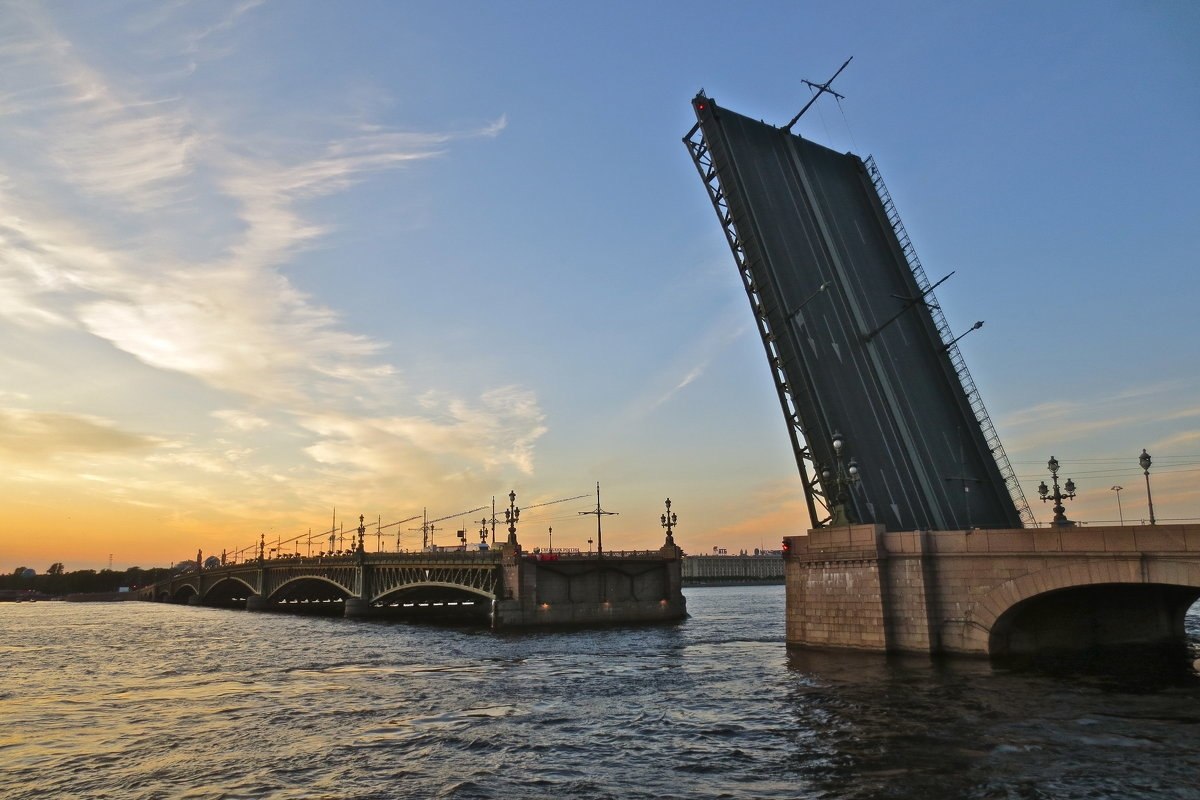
692 375
1177 440
42 436
498 430
724 331
240 420
1054 423
128 213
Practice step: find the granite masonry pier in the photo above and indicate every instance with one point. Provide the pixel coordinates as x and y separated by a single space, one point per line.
990 592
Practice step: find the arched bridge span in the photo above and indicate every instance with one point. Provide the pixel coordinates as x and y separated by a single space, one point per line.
991 592
506 585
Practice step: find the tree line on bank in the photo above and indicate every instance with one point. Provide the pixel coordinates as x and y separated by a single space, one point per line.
57 581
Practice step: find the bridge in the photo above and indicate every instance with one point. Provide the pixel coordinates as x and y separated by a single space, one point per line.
505 587
991 592
921 539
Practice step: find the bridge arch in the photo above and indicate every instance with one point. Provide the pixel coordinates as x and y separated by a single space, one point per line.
431 587
227 590
184 593
1134 601
313 587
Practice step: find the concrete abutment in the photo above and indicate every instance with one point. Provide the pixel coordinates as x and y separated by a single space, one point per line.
990 592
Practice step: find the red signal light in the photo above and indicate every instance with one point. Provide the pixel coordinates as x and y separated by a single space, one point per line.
700 106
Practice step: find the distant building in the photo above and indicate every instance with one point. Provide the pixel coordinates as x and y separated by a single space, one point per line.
732 570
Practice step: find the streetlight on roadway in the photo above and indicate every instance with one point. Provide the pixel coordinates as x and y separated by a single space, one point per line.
1120 513
1144 462
842 478
1057 496
511 515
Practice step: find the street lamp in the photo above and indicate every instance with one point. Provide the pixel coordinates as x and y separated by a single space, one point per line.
1120 513
511 514
842 478
974 327
1057 496
669 520
1144 461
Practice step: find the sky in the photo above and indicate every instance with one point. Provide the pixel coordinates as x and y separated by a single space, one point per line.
262 262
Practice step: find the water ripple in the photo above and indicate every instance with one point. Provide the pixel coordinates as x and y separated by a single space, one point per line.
147 702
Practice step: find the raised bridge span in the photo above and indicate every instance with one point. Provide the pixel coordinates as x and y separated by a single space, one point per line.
921 538
505 587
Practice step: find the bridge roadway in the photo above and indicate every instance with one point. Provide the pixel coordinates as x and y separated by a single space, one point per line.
991 592
505 587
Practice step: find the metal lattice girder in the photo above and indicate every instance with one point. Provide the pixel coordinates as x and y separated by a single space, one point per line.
951 345
385 580
847 326
814 496
344 576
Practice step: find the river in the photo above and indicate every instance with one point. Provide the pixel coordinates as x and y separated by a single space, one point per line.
134 701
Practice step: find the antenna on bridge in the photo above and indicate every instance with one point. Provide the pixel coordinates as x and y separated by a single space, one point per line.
492 521
397 525
427 524
913 302
821 88
599 512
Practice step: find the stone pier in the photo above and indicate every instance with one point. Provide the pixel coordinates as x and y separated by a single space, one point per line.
990 592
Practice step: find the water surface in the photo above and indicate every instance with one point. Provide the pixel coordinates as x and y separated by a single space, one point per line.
141 700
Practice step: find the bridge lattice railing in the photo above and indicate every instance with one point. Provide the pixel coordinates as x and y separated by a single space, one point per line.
956 359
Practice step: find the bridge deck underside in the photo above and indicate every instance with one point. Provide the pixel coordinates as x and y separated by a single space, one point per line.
863 356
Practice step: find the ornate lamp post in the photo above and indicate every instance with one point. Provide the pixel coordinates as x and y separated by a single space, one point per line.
511 514
842 478
1144 461
1059 517
668 521
483 531
1120 513
362 530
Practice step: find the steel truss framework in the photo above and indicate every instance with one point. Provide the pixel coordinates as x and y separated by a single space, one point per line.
482 579
382 579
951 346
814 496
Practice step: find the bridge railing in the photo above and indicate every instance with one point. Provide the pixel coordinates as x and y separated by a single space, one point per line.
575 556
351 560
452 557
